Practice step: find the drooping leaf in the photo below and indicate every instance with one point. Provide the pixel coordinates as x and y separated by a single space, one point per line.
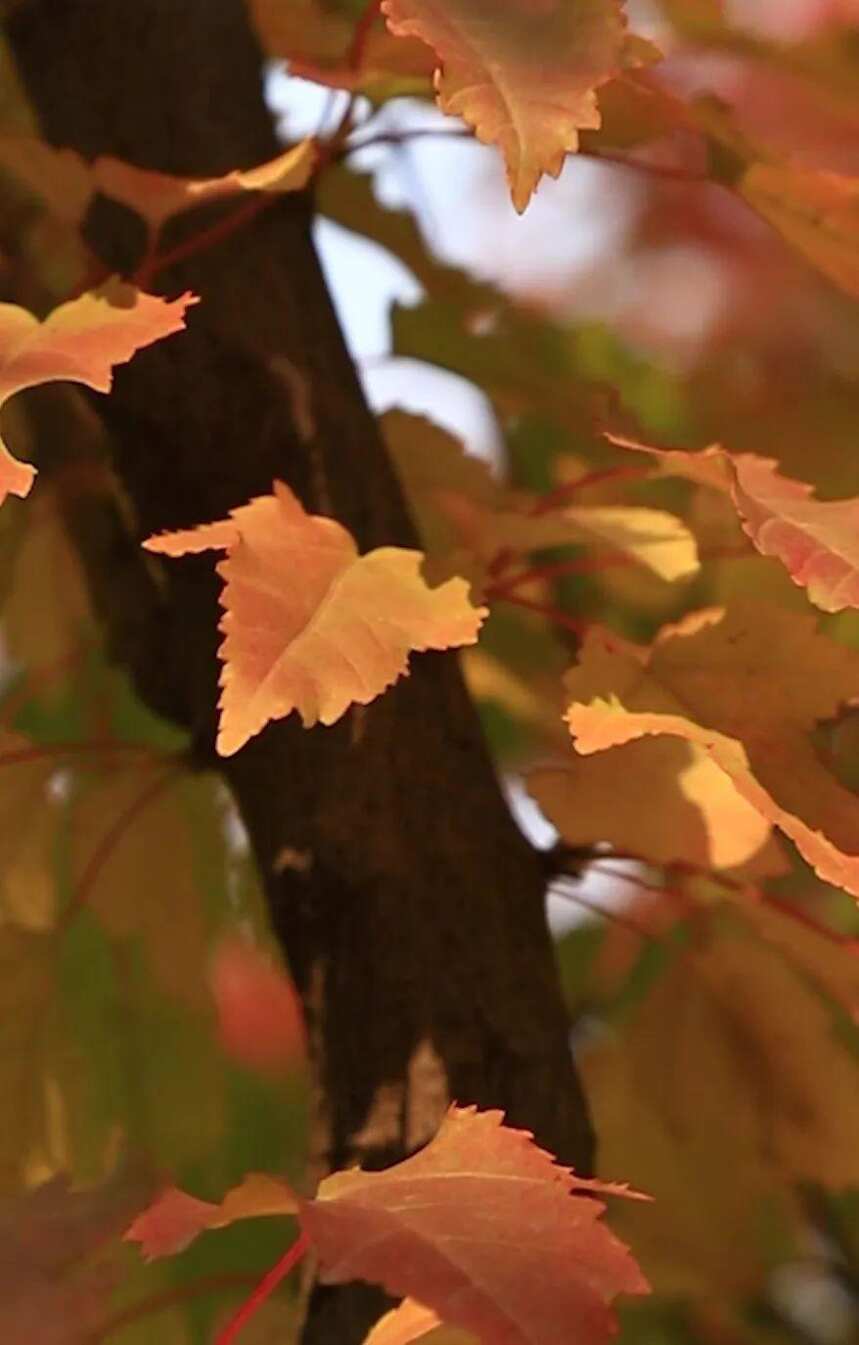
523 74
747 685
175 1219
157 196
816 540
81 341
309 624
816 212
483 1228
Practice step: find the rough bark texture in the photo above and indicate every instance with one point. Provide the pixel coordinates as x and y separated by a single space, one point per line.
408 904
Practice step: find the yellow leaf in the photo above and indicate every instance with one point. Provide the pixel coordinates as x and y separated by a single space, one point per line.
662 799
80 341
412 1321
747 686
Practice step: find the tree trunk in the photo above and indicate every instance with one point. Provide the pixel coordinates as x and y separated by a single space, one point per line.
408 904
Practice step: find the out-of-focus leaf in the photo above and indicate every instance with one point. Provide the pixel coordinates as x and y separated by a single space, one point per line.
26 987
815 212
175 1219
260 1022
47 1297
412 1321
317 39
747 686
662 799
816 540
731 1080
157 196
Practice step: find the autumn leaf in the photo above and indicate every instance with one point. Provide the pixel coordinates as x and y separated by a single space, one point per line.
816 212
694 814
59 177
27 984
317 39
260 1022
748 686
466 517
521 72
816 540
735 1026
55 1278
131 863
157 196
175 1219
412 1321
447 1227
482 1227
81 341
309 624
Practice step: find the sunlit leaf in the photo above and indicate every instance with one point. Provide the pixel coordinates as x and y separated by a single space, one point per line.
524 75
81 340
747 686
309 624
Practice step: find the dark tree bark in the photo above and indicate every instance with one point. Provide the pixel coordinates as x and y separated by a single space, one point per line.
409 906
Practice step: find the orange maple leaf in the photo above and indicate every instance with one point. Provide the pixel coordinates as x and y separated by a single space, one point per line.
523 73
310 625
481 1226
816 540
81 341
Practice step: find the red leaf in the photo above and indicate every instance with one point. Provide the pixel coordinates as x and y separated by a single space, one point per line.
171 1223
485 1229
260 1023
175 1219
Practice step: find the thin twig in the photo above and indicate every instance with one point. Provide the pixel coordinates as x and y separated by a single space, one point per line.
111 839
554 614
51 750
170 1298
207 238
555 499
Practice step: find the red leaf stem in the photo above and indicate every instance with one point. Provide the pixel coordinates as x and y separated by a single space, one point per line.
263 1290
554 614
